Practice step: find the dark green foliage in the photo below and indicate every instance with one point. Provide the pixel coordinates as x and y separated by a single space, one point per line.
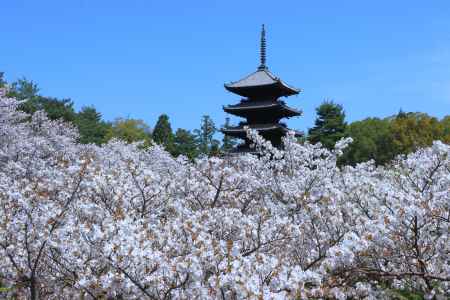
2 80
446 129
205 136
185 144
162 133
91 127
215 149
24 89
329 125
55 108
404 294
372 139
228 142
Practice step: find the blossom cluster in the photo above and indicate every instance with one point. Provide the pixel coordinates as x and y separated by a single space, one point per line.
120 221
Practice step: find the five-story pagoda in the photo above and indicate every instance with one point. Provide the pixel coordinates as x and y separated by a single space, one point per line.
261 106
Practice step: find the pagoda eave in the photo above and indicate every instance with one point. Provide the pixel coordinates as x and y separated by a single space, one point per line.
261 83
273 90
277 108
241 132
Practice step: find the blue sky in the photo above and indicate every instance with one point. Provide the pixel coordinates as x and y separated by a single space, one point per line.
143 58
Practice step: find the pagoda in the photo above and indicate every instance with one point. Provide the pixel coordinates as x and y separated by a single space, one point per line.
261 105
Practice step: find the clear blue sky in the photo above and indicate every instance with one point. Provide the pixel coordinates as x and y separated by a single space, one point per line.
143 58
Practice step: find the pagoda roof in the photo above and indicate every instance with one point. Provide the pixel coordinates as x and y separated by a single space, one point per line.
247 106
261 79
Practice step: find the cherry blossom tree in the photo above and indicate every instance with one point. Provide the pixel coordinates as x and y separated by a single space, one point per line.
121 221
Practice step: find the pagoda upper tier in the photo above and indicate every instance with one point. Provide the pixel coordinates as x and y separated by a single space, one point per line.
257 111
260 85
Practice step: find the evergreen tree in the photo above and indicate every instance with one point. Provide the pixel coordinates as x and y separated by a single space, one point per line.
23 89
329 125
2 80
215 149
205 135
55 108
162 133
185 144
90 126
228 142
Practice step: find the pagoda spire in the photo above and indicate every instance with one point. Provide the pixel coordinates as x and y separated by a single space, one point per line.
262 50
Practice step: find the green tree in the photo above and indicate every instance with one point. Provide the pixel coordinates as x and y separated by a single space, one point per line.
205 136
411 131
91 127
372 139
329 126
55 108
3 83
228 142
215 149
185 144
129 130
23 89
446 128
384 139
162 133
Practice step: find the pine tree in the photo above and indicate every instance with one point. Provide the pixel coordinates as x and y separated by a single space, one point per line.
162 133
329 125
185 144
55 108
90 126
205 135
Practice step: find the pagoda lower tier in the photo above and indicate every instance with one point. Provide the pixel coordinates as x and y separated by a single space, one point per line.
272 132
262 111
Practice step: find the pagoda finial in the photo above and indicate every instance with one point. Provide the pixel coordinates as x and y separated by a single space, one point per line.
262 50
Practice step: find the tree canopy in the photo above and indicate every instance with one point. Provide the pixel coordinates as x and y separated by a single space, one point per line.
205 136
162 133
372 139
129 130
384 139
329 126
91 127
55 108
185 144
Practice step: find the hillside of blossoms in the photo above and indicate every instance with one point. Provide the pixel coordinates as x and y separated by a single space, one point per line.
120 221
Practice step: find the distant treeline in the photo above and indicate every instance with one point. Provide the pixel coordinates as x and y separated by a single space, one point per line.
374 138
93 129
